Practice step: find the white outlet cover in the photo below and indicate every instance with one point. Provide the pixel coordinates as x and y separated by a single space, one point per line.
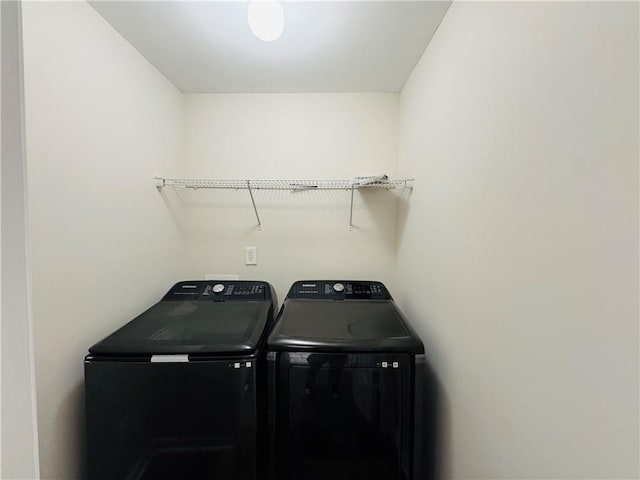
251 256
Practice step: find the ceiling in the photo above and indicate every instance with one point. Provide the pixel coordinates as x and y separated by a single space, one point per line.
326 46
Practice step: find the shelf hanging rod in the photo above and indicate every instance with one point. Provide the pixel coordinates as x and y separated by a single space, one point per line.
254 205
351 210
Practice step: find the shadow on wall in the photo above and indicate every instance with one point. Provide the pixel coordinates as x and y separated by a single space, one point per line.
436 428
402 212
174 206
207 212
69 436
381 206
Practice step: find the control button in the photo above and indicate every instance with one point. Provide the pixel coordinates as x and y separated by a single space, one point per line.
218 287
338 287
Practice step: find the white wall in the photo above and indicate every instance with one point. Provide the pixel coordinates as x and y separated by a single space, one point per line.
519 246
19 434
517 251
101 122
290 136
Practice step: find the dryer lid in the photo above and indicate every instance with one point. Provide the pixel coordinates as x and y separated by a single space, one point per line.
343 326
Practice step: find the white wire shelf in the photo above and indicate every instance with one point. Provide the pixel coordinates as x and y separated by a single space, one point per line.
196 183
357 183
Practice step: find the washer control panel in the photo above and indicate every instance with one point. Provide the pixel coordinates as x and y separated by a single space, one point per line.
339 290
220 291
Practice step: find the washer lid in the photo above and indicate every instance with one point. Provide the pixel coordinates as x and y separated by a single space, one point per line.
345 325
202 324
190 327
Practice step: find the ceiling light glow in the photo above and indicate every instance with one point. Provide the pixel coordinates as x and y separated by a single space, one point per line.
266 19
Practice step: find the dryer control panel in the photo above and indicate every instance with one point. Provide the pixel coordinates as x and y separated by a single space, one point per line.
221 291
339 290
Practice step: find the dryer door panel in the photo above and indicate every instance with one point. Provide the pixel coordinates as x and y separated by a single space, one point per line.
345 416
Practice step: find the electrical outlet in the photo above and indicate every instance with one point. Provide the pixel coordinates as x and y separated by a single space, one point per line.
250 256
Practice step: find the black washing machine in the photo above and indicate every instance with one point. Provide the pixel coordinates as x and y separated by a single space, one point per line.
178 392
345 386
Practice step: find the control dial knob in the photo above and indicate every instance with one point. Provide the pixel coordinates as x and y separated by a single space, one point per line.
338 287
218 287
